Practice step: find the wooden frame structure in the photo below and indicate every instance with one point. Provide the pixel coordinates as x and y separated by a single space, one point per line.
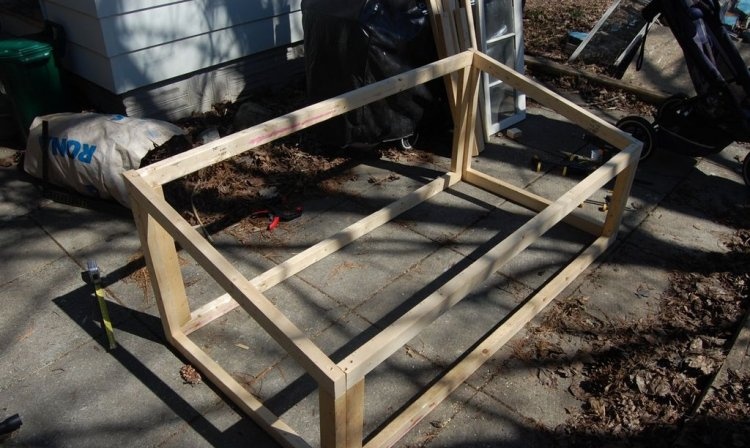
341 385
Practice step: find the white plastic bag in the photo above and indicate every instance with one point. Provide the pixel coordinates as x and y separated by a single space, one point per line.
88 152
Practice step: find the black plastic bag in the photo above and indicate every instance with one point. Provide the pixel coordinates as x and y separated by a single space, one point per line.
349 44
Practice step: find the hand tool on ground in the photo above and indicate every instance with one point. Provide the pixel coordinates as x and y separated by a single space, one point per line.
571 163
603 205
277 214
10 424
95 276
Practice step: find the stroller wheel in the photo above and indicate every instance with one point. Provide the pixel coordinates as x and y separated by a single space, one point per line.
668 108
746 169
642 130
407 143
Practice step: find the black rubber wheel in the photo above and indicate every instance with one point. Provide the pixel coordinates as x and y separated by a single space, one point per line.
407 143
746 169
642 130
668 108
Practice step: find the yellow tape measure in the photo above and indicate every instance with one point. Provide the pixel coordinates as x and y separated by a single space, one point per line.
96 279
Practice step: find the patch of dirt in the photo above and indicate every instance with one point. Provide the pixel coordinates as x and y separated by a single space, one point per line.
546 27
546 24
638 384
723 419
189 375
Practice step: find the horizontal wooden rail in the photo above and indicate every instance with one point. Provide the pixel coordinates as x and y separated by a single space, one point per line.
341 385
396 335
232 145
224 304
529 200
485 349
273 321
545 96
266 419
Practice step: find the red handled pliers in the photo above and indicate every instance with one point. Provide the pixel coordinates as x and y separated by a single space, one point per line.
277 215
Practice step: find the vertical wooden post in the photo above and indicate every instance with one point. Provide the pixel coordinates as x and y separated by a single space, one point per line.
342 418
473 133
467 38
620 195
470 22
355 414
164 270
466 112
459 127
452 35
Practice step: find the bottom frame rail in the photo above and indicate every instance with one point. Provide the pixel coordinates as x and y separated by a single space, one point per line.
529 200
251 406
225 303
390 434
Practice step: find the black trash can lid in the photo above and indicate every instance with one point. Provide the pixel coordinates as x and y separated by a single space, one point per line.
23 51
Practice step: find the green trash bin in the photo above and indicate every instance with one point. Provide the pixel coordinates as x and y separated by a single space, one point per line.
29 77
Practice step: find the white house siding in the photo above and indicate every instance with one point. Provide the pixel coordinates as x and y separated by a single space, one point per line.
124 45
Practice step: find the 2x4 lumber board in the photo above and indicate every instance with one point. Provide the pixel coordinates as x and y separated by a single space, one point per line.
436 10
464 122
464 38
261 415
472 130
273 321
554 68
447 45
224 148
446 41
225 303
392 338
448 29
342 418
467 21
164 270
621 193
355 414
529 200
452 82
468 11
209 312
578 115
486 348
467 39
333 424
448 5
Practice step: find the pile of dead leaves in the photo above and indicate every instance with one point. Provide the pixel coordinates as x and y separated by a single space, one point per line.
640 383
189 375
546 24
227 193
722 421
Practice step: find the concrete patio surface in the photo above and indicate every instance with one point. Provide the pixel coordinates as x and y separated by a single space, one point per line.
70 391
